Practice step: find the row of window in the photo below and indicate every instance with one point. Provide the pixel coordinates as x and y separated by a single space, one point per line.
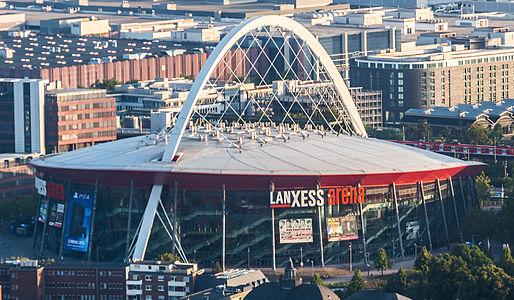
87 125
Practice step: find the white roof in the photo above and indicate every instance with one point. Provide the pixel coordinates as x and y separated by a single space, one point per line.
328 155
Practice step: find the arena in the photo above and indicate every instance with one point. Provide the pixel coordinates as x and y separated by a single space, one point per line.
252 182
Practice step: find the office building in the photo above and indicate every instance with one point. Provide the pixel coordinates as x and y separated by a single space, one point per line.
436 76
16 175
78 118
22 115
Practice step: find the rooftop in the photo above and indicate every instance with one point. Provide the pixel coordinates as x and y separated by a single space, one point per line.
467 111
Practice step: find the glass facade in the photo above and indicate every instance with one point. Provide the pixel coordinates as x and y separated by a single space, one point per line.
199 218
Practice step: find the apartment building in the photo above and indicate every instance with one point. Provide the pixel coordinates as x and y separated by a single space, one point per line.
16 175
437 75
156 280
22 115
77 118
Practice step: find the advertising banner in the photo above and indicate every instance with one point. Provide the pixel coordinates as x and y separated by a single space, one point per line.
40 185
43 211
342 229
56 215
295 231
412 230
78 221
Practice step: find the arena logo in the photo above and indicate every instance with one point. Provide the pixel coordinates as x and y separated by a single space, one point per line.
313 198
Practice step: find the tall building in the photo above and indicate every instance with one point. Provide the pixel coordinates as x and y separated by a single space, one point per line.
79 118
436 76
22 115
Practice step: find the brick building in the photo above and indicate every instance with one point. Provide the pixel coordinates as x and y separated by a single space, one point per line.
30 280
78 118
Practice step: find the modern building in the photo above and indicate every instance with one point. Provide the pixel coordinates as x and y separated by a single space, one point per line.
436 76
387 3
485 113
78 118
16 175
369 105
75 25
9 21
161 280
22 115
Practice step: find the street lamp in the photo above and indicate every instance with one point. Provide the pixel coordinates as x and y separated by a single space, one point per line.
301 256
350 248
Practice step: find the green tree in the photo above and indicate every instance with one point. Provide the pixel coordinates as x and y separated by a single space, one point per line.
446 274
107 84
476 135
488 282
397 283
381 261
132 81
217 267
422 262
472 255
484 187
316 279
480 222
496 135
168 257
507 262
357 283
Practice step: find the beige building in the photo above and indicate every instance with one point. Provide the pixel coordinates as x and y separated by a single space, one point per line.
436 76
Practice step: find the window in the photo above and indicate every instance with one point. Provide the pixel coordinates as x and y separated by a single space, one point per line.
148 287
160 288
160 278
148 297
148 277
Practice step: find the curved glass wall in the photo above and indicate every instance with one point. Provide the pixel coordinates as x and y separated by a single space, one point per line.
199 218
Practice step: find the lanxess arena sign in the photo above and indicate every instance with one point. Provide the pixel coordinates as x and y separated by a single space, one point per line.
313 198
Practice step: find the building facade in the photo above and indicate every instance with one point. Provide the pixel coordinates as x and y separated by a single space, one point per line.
440 76
22 115
78 118
161 280
16 175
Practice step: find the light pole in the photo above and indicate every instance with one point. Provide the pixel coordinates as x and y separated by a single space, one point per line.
312 267
248 258
350 247
301 256
415 250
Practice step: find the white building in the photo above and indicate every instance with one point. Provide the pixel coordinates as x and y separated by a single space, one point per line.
432 25
28 114
472 21
407 25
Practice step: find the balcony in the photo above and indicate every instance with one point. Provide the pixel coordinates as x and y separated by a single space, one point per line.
176 294
176 283
134 292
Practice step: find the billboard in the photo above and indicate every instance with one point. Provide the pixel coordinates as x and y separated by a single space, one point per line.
78 221
56 215
412 230
295 231
342 229
43 211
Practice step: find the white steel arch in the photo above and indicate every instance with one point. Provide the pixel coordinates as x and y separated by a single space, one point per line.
225 45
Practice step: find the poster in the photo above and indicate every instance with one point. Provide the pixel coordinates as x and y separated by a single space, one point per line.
295 231
412 230
342 229
56 215
43 211
78 221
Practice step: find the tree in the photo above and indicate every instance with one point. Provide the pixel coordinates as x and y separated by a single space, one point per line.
381 261
107 84
476 135
507 262
472 255
398 283
496 135
316 279
217 267
357 283
484 187
168 257
488 282
422 262
446 274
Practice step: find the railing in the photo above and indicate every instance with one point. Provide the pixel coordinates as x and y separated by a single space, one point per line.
483 150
